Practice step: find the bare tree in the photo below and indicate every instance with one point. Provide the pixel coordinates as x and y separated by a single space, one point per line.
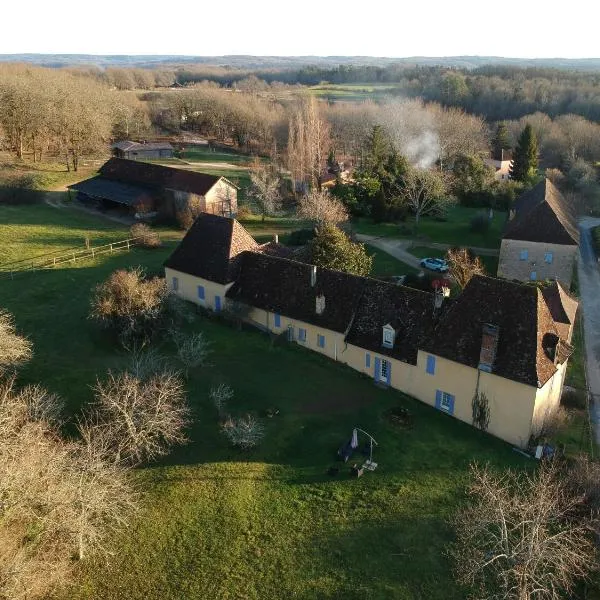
322 207
139 419
523 536
463 265
220 395
264 189
14 348
424 192
192 350
244 432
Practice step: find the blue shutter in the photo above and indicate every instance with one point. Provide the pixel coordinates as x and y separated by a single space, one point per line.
548 257
438 399
389 372
367 360
302 335
533 276
217 303
451 409
524 255
377 368
431 365
175 284
201 292
321 341
277 320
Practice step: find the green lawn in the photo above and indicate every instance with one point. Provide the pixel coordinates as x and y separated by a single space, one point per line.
489 262
204 154
218 523
385 265
455 230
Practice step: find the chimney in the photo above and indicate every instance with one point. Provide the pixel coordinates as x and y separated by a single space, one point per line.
438 299
276 239
313 276
489 346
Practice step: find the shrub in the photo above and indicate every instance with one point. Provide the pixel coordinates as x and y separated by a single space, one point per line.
244 432
244 212
574 399
480 223
220 396
130 305
149 238
14 349
192 350
301 237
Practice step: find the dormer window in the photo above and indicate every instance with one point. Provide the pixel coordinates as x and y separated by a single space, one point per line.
389 336
320 304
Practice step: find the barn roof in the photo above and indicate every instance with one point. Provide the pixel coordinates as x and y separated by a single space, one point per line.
105 189
543 215
157 176
127 145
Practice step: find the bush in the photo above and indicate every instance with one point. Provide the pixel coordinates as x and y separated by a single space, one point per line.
244 212
192 350
244 432
574 399
130 305
480 223
300 237
149 238
220 396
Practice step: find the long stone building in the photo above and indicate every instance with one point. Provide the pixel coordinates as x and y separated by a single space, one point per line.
505 340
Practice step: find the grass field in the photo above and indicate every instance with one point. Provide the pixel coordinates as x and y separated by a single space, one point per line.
455 230
217 523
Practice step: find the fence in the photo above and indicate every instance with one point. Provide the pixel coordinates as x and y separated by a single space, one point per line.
54 259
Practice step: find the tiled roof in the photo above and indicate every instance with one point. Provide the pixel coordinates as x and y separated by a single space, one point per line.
284 286
122 193
522 317
562 307
543 215
127 145
410 312
211 249
157 176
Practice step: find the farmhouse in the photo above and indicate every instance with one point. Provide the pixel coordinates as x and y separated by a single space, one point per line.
145 189
500 162
142 151
502 340
541 238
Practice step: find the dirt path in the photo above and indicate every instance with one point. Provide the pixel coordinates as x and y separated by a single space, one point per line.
589 289
394 247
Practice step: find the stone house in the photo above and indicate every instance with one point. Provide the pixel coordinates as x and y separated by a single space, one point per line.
146 189
505 340
142 151
541 238
500 163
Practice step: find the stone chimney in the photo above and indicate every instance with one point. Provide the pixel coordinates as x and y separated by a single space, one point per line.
276 239
489 346
320 304
313 276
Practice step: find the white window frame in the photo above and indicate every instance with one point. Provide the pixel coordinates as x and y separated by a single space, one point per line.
445 401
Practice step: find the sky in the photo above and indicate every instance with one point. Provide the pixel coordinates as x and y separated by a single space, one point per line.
394 28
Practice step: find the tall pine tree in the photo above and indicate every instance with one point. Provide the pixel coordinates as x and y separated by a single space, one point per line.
500 141
525 157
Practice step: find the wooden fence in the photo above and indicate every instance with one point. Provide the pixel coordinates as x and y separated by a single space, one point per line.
55 259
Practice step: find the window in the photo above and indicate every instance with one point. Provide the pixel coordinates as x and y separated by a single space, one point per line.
548 257
175 284
277 320
201 294
430 365
321 341
533 275
388 336
523 255
367 361
385 370
301 335
444 401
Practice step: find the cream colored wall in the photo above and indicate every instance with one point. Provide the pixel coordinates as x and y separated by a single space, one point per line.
221 192
547 399
510 266
188 288
511 403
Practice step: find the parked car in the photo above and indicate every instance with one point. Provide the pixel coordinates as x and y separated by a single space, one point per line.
435 264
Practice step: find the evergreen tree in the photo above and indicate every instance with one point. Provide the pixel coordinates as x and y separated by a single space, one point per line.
378 151
500 141
525 157
333 249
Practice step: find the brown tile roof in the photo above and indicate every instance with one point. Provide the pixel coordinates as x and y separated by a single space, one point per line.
543 215
522 317
211 249
284 286
562 307
157 176
409 311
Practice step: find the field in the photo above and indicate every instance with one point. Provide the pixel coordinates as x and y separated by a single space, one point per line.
352 92
217 523
454 229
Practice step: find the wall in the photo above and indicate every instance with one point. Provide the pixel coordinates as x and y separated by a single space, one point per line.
510 266
547 399
221 199
188 288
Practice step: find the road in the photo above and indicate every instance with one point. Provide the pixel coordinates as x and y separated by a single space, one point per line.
393 246
589 290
